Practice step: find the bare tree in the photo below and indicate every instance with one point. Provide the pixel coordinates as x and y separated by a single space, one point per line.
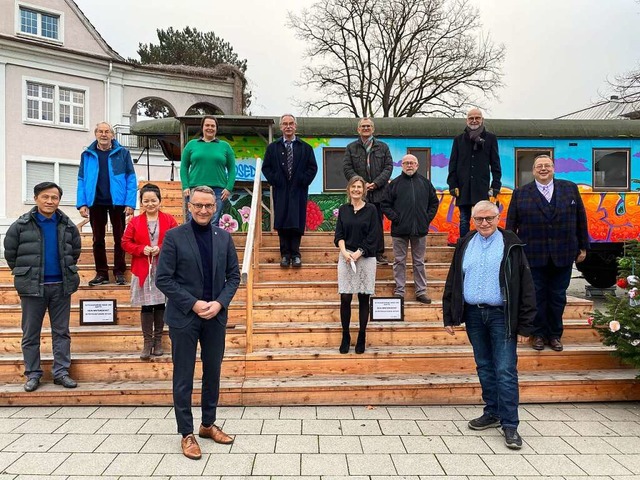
396 58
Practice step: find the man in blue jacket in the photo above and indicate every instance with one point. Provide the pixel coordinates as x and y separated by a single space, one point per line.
107 185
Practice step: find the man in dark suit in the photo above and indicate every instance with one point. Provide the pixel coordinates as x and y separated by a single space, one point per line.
290 167
198 272
474 155
549 217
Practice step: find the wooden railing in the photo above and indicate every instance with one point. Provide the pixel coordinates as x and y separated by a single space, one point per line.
251 258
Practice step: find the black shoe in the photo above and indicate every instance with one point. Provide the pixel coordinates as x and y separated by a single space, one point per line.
120 280
66 381
296 262
361 343
346 343
381 260
98 280
485 421
285 261
423 299
32 385
512 439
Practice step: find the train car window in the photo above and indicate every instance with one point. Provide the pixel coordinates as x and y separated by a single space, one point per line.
333 173
610 169
424 160
524 163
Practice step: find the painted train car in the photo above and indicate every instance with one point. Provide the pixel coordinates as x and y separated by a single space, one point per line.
601 156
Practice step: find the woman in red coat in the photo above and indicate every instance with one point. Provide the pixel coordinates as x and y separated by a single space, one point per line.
143 240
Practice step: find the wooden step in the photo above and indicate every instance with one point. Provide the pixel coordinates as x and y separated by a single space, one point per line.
271 272
86 257
114 339
449 359
329 310
11 315
328 290
313 255
326 239
111 367
121 293
419 389
399 334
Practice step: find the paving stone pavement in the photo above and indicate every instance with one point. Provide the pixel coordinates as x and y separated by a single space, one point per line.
585 441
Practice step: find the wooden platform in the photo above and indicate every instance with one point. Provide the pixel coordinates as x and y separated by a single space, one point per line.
294 336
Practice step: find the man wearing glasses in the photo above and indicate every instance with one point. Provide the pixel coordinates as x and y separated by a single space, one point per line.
489 288
198 272
549 216
474 156
371 159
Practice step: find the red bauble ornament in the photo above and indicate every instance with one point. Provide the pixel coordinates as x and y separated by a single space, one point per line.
622 283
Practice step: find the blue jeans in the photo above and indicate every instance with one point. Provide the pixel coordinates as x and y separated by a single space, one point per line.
551 297
496 362
465 219
215 220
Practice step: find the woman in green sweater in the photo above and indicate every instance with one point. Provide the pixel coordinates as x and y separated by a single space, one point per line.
208 161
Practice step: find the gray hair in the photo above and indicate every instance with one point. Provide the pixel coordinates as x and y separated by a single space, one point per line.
373 125
204 189
288 115
485 205
95 130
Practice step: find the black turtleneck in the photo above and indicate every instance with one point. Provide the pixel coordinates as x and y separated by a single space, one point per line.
204 239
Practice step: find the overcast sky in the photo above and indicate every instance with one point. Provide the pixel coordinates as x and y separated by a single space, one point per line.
560 53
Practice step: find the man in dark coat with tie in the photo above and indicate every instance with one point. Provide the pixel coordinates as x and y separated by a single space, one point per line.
474 159
549 217
290 167
198 272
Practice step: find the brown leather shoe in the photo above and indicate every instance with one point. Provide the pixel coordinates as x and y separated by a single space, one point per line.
215 434
537 343
190 447
556 344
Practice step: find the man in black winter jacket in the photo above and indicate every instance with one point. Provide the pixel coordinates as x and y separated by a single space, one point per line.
410 203
42 248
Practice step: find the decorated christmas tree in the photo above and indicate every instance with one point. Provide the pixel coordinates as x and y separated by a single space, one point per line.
619 324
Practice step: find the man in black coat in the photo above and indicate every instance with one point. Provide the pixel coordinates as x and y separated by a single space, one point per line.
474 155
371 159
198 272
42 249
290 167
410 203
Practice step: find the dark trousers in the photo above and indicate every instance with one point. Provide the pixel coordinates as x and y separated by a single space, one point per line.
184 343
551 298
465 219
289 242
98 221
380 249
496 362
33 309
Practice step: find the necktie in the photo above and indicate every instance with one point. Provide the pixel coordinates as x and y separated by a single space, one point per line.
289 147
546 191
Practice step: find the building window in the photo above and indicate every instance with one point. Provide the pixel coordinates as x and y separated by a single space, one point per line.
332 162
610 169
64 174
524 163
424 160
39 23
55 104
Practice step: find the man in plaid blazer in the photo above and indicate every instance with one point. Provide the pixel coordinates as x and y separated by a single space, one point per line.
549 217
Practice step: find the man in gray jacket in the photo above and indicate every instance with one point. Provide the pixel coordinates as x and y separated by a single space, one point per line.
42 248
371 159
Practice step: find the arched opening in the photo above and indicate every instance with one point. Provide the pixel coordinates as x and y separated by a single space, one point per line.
151 108
204 108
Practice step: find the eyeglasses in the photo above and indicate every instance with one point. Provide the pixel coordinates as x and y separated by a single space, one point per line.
490 219
474 118
207 206
366 126
409 163
547 166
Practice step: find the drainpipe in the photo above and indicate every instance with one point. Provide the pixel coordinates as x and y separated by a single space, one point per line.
107 95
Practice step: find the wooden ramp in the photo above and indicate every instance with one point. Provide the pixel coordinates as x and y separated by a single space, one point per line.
288 353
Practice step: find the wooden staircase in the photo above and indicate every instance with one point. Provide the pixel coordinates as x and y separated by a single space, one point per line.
287 353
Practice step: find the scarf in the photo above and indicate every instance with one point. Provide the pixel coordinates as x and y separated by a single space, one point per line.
475 137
